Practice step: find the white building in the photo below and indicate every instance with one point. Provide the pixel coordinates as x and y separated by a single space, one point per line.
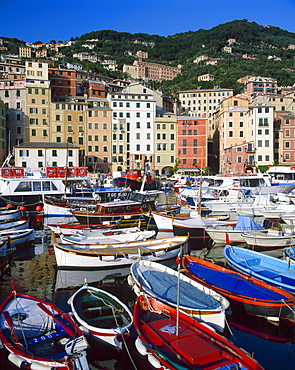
40 155
260 132
133 116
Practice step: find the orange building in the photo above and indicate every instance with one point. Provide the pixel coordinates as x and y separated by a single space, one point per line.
191 142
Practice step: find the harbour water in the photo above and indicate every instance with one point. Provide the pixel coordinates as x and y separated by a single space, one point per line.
35 273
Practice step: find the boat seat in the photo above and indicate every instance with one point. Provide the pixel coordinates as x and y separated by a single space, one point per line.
270 274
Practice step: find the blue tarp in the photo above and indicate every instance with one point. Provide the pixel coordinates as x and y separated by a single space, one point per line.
164 286
246 223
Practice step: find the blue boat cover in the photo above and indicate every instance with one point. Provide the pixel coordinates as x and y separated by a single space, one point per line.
246 223
233 283
164 286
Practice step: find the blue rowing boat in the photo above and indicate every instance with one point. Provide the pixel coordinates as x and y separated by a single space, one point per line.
269 269
246 294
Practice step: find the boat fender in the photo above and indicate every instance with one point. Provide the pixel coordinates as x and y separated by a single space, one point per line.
107 258
36 366
17 360
84 330
159 253
154 362
136 290
130 280
140 347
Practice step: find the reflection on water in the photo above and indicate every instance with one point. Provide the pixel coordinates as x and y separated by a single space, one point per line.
35 273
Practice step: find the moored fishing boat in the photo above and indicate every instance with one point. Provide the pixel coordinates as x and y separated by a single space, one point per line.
259 265
165 284
96 256
246 294
172 340
70 229
270 238
109 236
102 314
218 232
18 238
38 335
127 212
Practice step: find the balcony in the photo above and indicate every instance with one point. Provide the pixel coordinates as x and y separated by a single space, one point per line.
250 150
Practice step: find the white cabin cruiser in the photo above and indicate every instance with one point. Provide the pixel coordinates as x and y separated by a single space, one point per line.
28 188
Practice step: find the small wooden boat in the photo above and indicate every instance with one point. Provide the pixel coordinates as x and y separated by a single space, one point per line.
19 238
102 314
244 223
70 229
172 340
166 284
127 211
38 335
95 256
14 225
270 238
109 236
9 215
269 269
246 294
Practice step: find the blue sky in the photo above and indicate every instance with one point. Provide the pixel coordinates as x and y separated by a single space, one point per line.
34 20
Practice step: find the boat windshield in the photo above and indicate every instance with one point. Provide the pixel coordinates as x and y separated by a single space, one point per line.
35 186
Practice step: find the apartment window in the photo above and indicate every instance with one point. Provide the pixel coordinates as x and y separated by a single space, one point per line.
89 137
58 139
54 153
231 134
70 129
267 143
259 158
259 143
287 132
44 132
172 136
69 118
287 144
137 114
81 141
267 158
18 105
137 124
241 124
58 128
89 148
241 133
33 121
80 118
265 122
40 153
259 132
184 142
158 159
137 135
95 137
148 136
230 114
70 152
104 126
138 147
57 117
230 124
105 138
239 159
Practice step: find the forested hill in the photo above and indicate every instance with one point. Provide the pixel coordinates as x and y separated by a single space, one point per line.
267 45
